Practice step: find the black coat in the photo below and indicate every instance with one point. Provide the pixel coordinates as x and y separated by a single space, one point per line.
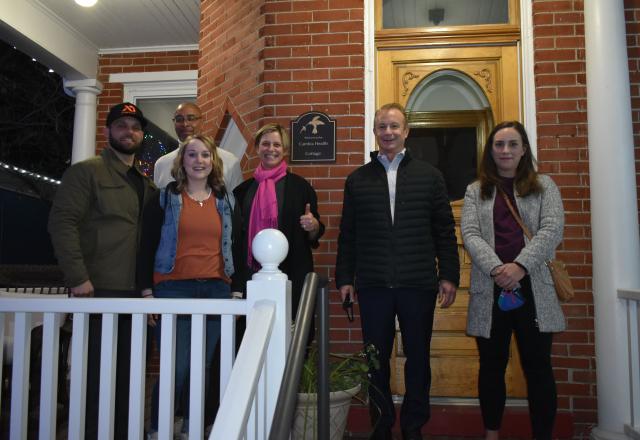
299 261
374 252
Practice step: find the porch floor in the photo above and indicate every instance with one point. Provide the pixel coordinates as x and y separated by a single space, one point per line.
449 422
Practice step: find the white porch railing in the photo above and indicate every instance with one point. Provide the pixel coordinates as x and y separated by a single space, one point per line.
249 402
632 302
249 389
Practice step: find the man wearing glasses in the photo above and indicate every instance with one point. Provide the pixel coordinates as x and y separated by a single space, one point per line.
186 120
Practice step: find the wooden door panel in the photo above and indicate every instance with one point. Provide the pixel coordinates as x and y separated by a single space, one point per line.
493 68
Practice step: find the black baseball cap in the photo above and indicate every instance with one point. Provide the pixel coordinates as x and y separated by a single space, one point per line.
126 109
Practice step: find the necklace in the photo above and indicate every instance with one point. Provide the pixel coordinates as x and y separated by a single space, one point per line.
199 201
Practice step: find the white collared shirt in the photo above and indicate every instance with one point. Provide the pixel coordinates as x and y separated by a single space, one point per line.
392 175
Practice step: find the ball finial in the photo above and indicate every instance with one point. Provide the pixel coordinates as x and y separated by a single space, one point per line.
270 248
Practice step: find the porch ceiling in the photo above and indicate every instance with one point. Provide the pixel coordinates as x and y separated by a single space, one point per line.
114 25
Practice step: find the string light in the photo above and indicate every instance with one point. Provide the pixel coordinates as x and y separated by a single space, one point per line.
29 173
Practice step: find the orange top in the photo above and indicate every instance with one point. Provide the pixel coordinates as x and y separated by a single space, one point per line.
198 254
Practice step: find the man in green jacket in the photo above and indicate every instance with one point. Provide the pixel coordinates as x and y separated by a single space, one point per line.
95 224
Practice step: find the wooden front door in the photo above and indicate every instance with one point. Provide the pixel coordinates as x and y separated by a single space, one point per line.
493 72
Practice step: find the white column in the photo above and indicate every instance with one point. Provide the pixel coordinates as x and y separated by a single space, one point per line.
614 214
84 123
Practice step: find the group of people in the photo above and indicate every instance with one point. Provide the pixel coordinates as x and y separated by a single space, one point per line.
116 235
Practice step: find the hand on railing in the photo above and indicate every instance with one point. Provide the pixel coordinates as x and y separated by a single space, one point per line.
152 320
147 293
83 290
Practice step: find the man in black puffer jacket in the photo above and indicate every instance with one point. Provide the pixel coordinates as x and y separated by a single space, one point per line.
397 249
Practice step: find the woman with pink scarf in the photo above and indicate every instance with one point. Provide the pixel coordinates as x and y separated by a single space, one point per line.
276 198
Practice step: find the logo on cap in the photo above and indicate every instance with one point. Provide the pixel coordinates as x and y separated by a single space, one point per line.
129 108
125 109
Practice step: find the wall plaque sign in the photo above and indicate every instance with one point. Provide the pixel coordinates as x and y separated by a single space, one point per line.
313 138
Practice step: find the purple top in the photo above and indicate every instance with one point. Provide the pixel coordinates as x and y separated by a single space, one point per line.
509 237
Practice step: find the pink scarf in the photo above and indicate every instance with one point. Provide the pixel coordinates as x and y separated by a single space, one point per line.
264 209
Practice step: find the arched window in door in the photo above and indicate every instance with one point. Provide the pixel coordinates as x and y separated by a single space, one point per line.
450 117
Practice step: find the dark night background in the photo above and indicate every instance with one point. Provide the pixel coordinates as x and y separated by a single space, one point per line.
36 135
36 131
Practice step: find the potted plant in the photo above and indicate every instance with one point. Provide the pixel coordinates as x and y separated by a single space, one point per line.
348 378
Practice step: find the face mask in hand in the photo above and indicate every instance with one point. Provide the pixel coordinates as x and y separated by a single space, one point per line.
510 299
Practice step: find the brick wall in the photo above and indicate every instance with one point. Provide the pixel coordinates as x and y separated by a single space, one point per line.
231 66
112 93
264 61
273 60
314 60
562 152
270 61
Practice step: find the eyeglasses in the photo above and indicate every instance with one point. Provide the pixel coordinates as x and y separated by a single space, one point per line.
347 306
179 119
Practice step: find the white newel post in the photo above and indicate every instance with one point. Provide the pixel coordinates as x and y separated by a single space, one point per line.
84 121
270 247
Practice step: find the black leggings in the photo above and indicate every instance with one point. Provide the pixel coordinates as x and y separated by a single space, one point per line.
535 354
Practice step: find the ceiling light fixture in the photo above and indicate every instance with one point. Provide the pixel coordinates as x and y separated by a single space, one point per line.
86 3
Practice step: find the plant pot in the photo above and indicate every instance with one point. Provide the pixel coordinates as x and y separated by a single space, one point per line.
305 420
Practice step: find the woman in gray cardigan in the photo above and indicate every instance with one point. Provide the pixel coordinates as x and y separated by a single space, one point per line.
511 288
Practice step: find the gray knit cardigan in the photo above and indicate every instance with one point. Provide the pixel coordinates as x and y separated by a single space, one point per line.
544 216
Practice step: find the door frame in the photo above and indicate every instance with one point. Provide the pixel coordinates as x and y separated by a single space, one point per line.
494 70
526 62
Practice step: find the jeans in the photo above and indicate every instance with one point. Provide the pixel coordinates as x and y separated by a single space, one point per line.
535 354
188 289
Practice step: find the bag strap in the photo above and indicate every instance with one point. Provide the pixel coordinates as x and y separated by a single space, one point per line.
515 214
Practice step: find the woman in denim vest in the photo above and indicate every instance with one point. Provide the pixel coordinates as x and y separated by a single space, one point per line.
188 238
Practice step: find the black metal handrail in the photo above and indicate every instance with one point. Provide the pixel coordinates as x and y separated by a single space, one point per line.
314 288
